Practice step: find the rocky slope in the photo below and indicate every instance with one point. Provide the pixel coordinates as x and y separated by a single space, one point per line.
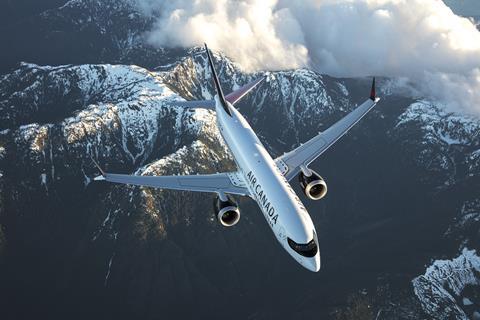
447 147
441 289
119 113
80 31
54 118
122 117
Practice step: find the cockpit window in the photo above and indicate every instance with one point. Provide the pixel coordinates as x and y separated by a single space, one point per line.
307 250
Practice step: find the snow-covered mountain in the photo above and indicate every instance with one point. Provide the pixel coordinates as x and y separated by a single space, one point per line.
447 149
441 289
403 184
121 115
447 144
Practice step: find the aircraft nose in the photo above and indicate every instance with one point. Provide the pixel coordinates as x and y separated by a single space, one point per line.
313 264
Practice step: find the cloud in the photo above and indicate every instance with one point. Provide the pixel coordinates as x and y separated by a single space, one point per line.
252 32
422 40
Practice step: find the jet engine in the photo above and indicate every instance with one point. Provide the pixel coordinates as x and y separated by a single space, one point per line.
313 185
226 210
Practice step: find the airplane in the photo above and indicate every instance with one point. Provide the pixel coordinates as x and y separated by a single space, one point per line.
259 176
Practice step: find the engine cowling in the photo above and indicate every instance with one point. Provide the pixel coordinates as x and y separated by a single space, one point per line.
226 211
313 186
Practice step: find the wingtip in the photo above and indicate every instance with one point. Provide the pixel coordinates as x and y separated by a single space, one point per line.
373 93
98 167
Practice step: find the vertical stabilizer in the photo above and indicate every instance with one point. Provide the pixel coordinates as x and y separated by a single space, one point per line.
221 97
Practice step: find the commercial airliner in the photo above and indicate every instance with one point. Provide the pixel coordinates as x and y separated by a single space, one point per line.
258 175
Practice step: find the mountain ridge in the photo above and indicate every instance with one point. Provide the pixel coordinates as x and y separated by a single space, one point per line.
192 135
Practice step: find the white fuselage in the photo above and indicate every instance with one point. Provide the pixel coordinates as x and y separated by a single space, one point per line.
283 210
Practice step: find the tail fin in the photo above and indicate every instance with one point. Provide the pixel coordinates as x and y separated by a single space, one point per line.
217 83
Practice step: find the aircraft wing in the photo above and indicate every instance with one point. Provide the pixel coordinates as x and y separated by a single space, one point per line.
230 182
291 163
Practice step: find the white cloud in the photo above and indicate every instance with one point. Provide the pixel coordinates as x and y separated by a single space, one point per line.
252 32
422 40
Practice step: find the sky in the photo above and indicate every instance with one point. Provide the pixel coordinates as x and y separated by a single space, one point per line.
423 43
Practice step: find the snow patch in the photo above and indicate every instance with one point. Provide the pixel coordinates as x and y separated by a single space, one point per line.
443 283
109 269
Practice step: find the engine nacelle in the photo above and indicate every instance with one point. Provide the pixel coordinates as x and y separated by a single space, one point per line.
226 210
313 186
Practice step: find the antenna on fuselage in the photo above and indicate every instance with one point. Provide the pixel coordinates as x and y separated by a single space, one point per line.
218 88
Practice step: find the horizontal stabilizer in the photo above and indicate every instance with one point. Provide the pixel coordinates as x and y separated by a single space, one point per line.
205 104
238 94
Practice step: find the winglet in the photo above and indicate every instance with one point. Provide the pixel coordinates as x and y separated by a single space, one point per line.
98 167
217 83
373 94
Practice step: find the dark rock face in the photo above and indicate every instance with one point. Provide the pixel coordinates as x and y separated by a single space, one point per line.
2 242
13 11
86 31
448 287
402 188
476 20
